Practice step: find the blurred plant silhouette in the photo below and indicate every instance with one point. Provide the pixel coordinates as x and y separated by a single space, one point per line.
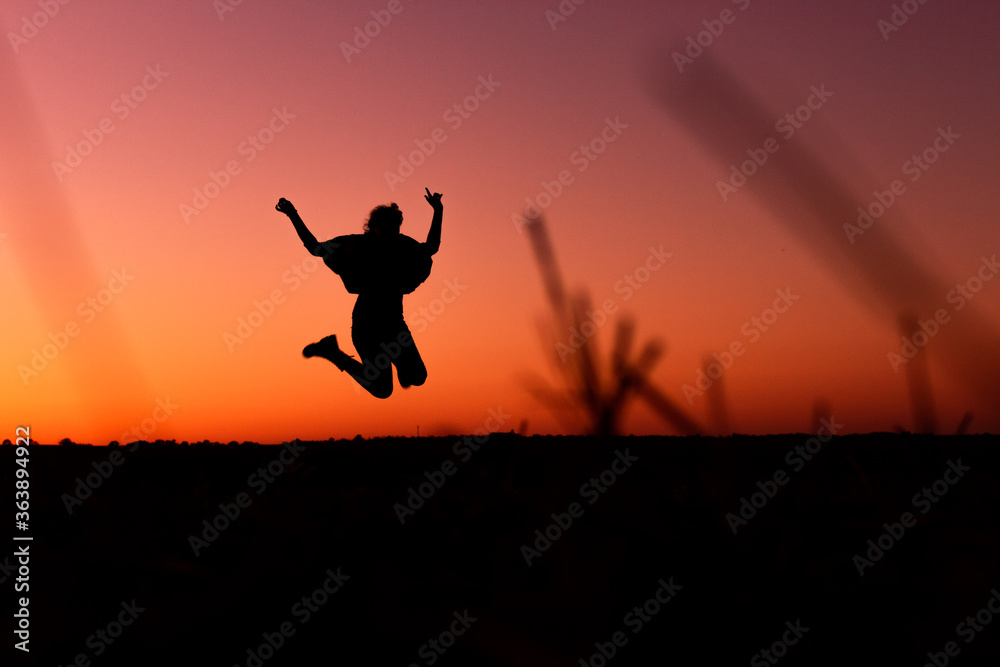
591 391
810 196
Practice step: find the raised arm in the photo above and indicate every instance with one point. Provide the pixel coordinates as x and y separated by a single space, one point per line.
308 240
434 235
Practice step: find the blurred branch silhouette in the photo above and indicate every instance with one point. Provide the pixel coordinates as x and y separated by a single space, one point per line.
813 201
595 392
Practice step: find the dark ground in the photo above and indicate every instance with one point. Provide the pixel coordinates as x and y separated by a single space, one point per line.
663 518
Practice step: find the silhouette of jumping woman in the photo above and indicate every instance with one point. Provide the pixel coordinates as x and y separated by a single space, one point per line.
380 266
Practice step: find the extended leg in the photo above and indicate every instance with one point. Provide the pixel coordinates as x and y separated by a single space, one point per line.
362 373
375 369
409 366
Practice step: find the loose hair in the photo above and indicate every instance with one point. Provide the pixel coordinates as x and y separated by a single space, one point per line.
382 216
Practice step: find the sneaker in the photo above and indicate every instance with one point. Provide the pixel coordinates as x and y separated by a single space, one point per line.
327 348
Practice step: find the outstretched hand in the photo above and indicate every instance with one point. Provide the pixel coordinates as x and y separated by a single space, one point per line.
285 206
434 200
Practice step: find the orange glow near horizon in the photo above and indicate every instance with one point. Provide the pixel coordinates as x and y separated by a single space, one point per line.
137 266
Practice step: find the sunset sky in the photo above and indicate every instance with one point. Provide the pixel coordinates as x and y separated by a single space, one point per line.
145 145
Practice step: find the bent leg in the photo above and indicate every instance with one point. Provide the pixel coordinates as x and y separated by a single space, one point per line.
409 366
372 373
364 374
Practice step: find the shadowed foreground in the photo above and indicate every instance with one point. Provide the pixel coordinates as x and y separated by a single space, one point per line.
455 571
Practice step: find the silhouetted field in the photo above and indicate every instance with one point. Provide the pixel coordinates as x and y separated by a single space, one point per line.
662 517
